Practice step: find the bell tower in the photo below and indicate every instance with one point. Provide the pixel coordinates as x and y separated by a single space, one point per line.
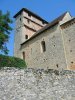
27 24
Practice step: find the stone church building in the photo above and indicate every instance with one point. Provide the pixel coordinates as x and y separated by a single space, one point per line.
42 44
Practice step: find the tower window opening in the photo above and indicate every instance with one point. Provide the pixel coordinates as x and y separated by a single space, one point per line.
43 22
20 19
23 54
26 36
29 14
28 21
43 46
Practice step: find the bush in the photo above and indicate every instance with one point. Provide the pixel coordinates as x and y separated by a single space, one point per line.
7 61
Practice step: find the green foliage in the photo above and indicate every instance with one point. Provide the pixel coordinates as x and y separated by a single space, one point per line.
4 31
6 61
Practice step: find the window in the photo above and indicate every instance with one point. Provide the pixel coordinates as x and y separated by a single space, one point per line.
43 46
26 36
20 19
23 53
28 20
43 22
29 14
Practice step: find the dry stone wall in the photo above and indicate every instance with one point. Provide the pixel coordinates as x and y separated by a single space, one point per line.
36 84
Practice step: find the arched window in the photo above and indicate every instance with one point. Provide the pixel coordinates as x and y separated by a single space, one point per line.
43 46
23 54
26 36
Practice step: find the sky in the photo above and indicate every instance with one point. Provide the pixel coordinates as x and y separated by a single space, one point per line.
47 9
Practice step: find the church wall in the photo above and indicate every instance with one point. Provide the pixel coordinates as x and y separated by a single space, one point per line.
69 41
53 56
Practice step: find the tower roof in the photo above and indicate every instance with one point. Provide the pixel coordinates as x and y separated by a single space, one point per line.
28 11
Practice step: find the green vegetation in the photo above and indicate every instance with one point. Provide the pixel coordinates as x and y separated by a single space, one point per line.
6 61
5 29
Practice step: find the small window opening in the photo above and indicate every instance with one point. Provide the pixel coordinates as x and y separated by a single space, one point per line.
26 36
28 20
23 53
43 22
29 14
69 40
43 45
72 62
57 65
70 50
54 45
20 19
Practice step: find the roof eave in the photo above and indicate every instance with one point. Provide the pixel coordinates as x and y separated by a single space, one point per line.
24 9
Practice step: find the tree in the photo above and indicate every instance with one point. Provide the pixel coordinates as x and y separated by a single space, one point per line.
5 29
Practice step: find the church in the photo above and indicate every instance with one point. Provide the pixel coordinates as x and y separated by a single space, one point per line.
45 44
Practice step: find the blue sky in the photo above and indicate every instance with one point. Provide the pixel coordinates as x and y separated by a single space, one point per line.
48 9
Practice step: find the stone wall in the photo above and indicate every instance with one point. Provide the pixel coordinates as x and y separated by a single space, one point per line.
68 33
25 25
37 84
53 57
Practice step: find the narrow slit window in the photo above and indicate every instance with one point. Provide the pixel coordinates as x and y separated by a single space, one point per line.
26 36
20 19
23 53
43 22
43 46
28 21
29 14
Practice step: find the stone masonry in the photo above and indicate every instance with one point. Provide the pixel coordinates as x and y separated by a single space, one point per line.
58 37
51 57
68 33
37 84
27 23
